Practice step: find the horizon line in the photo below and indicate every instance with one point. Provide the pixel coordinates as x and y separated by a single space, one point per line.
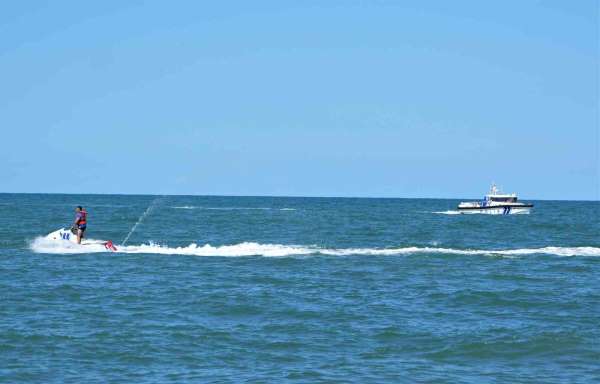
271 196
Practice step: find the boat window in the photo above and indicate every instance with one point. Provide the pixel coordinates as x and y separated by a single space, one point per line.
505 199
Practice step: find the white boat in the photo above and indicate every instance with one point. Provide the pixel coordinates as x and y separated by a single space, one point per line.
71 236
496 203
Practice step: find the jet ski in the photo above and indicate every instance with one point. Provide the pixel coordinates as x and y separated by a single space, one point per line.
70 235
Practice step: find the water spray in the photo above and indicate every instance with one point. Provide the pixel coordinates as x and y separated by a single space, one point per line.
148 210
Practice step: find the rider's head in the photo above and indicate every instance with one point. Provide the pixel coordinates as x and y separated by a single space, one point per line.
79 208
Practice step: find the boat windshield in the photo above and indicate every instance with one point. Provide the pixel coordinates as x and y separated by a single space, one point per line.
504 199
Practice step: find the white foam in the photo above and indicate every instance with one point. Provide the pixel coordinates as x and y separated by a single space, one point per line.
43 245
225 208
451 212
242 249
233 208
558 251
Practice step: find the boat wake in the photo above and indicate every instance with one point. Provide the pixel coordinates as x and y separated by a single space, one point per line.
44 245
451 212
233 208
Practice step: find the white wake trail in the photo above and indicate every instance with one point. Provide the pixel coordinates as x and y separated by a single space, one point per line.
447 212
233 208
43 245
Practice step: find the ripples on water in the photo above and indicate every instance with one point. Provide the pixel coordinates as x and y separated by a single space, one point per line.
427 316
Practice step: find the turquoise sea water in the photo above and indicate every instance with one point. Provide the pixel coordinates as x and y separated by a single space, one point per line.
298 290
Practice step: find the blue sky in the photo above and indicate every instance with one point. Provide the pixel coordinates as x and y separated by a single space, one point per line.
311 98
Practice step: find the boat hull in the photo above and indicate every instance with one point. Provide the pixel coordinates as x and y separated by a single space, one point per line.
497 210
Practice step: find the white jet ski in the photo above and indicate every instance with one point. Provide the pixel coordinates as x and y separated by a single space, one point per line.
71 236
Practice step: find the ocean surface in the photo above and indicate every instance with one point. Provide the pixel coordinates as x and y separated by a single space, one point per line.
298 290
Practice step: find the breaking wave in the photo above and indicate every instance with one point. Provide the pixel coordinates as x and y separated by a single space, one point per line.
43 245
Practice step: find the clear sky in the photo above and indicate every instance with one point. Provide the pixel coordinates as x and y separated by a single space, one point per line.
302 98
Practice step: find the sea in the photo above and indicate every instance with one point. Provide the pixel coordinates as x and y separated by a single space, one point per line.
209 289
